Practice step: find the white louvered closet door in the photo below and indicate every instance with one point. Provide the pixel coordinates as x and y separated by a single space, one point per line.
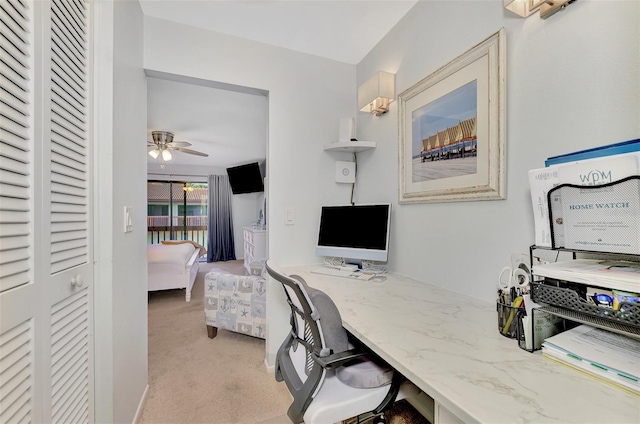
46 271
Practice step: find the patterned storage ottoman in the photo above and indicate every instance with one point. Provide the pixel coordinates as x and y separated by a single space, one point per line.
236 303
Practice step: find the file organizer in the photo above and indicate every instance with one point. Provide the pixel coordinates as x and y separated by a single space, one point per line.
601 218
567 300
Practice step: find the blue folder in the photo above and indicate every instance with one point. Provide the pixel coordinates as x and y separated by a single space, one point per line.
596 152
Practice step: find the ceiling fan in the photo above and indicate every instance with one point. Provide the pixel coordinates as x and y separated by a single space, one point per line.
163 144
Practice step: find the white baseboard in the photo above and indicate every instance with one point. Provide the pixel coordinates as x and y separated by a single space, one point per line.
271 369
143 400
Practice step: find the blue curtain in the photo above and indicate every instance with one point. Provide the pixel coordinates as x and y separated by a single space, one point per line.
220 246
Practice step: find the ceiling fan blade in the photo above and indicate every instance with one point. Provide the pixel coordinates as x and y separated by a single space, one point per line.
151 144
191 152
179 144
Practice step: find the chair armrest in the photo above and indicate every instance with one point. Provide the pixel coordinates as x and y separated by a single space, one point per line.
337 359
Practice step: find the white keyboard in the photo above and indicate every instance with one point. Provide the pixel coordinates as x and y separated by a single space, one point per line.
334 272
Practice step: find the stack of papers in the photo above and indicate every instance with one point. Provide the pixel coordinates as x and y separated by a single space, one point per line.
611 357
618 275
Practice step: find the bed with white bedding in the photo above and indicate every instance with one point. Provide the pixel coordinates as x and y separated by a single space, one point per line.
173 266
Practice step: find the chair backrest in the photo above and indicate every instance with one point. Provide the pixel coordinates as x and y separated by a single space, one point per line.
316 326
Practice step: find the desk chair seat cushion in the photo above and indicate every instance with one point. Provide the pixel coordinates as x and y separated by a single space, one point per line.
364 373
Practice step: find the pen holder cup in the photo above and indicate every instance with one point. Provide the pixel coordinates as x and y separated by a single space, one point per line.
508 318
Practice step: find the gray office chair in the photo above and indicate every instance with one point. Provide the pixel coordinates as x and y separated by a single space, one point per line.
329 379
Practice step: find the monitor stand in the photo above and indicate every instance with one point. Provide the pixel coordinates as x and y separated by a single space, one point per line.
349 261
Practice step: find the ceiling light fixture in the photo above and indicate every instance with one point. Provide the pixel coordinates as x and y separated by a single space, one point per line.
154 153
375 94
166 155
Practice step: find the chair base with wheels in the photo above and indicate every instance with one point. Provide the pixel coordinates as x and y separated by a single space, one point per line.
330 377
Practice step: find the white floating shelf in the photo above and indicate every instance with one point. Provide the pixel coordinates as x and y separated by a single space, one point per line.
350 146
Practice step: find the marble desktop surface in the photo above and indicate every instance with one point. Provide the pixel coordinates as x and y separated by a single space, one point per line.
449 345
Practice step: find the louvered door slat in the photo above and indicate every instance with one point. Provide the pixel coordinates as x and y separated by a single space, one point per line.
13 127
77 22
14 280
17 11
68 208
65 90
10 81
20 7
11 243
12 230
13 140
15 255
73 403
17 155
67 199
68 150
71 356
75 27
66 61
19 392
69 118
11 31
69 333
67 132
10 117
70 382
69 235
18 66
75 171
16 369
65 38
13 217
11 178
66 157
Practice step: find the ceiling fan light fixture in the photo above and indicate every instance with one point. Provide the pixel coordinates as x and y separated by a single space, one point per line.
154 153
166 155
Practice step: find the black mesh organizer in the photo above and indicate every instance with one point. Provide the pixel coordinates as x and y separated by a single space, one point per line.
569 305
611 206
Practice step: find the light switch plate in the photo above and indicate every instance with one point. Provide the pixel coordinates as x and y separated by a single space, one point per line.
128 219
289 216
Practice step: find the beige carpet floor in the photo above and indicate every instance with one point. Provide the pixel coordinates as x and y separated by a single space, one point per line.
194 379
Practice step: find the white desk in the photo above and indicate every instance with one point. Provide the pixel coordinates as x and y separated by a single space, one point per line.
449 346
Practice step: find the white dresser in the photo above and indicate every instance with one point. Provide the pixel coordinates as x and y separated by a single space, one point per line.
255 246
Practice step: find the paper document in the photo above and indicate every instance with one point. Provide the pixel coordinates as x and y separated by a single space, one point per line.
619 275
540 182
610 355
604 220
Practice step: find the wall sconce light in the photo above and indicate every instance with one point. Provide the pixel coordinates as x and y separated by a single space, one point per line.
525 8
375 94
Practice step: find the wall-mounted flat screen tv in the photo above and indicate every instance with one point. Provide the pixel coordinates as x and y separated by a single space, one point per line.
245 178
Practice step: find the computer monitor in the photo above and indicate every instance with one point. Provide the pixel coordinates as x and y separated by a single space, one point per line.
356 233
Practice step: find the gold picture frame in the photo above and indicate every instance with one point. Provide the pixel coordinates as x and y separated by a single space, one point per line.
452 129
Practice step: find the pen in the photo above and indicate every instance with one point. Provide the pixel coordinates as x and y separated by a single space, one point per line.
515 305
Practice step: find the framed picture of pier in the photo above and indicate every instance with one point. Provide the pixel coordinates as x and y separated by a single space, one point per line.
452 129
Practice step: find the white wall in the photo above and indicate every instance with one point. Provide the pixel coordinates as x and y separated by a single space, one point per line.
572 83
307 97
121 272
